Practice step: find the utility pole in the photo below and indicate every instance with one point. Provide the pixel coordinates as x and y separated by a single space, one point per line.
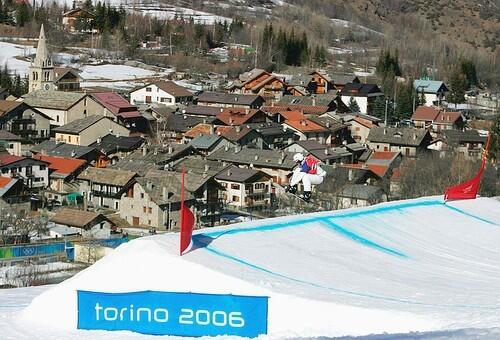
385 119
170 43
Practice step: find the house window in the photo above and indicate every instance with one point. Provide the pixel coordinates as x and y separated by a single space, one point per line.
42 167
235 186
116 205
148 89
150 210
165 100
144 209
57 119
236 199
142 195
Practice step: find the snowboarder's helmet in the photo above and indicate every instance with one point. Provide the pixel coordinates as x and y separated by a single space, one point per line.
298 157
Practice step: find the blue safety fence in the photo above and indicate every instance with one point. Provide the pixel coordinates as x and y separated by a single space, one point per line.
53 248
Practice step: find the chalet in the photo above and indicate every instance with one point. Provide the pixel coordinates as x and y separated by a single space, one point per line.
104 188
163 92
227 100
13 196
239 116
34 173
322 82
434 91
201 111
328 99
428 117
408 141
363 94
207 144
468 143
66 79
338 130
175 126
91 155
72 18
327 155
360 128
62 173
116 147
312 110
152 158
91 224
242 135
23 120
277 164
11 142
340 80
86 131
274 135
269 87
359 195
62 107
245 188
305 128
120 110
381 164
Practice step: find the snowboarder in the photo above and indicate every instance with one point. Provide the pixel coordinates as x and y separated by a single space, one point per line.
308 172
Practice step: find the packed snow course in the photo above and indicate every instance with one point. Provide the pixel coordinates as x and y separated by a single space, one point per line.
416 265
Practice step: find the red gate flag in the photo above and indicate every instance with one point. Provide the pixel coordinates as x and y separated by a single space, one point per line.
468 189
187 221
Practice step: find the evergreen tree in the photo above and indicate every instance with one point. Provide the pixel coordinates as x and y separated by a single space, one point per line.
388 64
495 140
353 105
458 84
469 70
23 15
404 101
379 107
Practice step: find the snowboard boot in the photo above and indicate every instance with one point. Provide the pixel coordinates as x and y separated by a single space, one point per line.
306 196
291 189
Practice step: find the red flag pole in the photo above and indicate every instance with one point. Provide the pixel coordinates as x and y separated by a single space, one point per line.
182 212
186 220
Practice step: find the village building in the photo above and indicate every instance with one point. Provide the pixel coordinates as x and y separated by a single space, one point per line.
120 110
162 93
62 173
410 142
277 164
227 100
62 107
34 173
359 195
434 91
23 120
104 188
202 111
199 165
14 197
239 116
246 188
91 155
274 135
428 117
325 154
41 70
339 131
363 94
77 19
242 135
307 110
207 144
174 126
340 80
91 224
88 130
331 100
468 143
11 143
116 147
66 79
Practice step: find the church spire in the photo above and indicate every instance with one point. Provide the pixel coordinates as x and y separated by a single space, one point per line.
42 53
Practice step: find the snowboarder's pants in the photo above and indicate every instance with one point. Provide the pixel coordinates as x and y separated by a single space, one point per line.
307 179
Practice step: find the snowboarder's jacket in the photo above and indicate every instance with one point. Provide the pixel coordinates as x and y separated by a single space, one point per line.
309 165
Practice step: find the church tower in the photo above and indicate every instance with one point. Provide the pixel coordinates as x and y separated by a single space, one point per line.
41 70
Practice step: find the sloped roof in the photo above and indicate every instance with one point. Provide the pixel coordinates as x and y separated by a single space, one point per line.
201 110
292 115
306 109
205 142
425 113
361 191
7 106
184 123
398 136
237 116
79 125
61 166
60 72
429 86
59 100
252 74
305 126
173 89
266 81
240 175
199 165
112 143
54 148
228 98
364 122
153 186
199 130
448 117
327 99
360 90
8 136
76 218
257 157
9 159
455 137
115 103
107 176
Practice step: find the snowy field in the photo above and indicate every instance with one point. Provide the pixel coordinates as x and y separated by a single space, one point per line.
8 54
410 266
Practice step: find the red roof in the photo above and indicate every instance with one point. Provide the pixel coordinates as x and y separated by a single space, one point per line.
237 116
385 155
305 125
61 165
306 109
425 113
379 170
4 181
115 103
8 159
292 115
364 122
448 117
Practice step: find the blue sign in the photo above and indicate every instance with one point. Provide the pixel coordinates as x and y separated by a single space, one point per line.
181 314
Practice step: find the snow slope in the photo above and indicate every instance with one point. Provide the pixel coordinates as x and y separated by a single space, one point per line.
417 265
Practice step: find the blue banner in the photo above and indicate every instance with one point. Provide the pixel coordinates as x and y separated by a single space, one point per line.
166 313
